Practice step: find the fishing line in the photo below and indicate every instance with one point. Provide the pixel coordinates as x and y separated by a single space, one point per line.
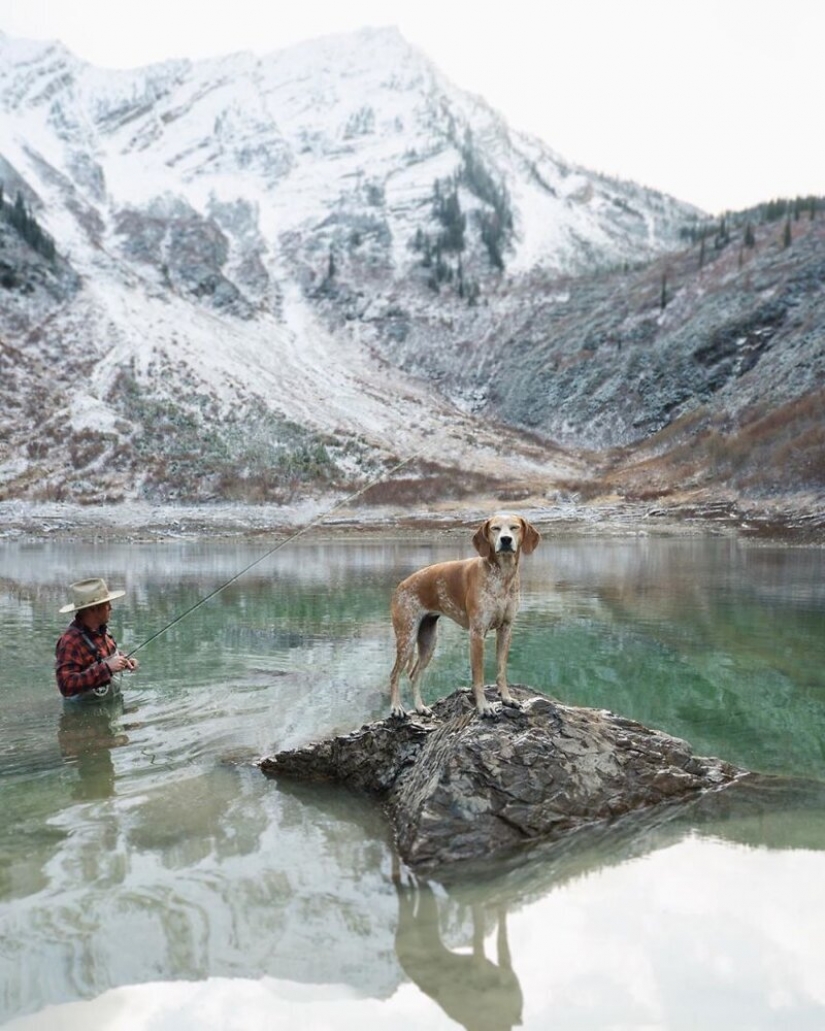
277 547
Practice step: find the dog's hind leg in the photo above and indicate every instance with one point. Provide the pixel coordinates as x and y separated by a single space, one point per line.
403 660
426 638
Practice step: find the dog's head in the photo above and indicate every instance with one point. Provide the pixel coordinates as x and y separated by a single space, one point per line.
505 533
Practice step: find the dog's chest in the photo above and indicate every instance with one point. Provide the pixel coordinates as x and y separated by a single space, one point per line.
497 602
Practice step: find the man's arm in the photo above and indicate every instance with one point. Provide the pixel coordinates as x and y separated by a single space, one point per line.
76 668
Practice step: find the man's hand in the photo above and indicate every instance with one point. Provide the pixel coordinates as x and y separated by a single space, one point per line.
119 662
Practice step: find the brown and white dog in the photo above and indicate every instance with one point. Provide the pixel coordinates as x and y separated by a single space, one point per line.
479 594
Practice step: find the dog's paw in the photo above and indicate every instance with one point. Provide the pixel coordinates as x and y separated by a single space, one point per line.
398 712
511 703
424 710
489 712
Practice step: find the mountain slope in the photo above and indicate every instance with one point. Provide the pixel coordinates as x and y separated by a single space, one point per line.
207 208
289 273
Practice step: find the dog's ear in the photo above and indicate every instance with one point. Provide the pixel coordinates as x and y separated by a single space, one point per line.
481 540
530 539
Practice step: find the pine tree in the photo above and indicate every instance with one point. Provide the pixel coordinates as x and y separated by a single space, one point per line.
447 209
26 226
19 218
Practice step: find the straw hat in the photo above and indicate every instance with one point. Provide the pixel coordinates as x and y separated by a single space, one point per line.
86 593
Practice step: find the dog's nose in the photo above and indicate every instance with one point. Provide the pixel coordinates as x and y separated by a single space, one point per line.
506 542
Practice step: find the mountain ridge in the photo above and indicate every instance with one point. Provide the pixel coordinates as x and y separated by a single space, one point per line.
290 272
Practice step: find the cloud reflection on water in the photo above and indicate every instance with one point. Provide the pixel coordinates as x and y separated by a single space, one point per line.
646 943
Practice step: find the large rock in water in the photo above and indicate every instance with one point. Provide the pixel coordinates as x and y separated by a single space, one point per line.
460 787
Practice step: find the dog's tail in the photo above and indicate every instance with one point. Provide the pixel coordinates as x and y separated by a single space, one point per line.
425 637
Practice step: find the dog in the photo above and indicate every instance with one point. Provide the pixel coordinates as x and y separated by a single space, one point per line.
479 594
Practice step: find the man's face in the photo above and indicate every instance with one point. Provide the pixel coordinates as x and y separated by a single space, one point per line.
97 615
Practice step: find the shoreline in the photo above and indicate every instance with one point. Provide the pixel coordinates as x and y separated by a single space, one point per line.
801 523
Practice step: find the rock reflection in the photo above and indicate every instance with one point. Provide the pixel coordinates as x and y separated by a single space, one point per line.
87 733
477 992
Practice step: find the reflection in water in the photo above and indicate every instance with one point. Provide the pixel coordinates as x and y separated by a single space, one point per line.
212 873
478 993
88 732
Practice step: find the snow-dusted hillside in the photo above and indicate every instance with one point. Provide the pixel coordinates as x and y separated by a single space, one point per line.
205 207
347 126
301 268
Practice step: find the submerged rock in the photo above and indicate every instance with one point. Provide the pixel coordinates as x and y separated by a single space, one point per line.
458 787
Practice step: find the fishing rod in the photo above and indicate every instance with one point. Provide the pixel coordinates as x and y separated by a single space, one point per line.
281 544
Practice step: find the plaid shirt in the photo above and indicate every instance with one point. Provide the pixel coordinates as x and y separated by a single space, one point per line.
78 667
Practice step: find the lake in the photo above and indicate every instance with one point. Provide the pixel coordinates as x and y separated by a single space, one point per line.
152 877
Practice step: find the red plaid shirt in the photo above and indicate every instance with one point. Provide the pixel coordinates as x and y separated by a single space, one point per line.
78 666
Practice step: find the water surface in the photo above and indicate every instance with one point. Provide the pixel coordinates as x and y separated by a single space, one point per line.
149 871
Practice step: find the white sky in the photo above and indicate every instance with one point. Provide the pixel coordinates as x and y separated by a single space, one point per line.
718 102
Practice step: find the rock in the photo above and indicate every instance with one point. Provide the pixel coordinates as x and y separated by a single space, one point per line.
458 787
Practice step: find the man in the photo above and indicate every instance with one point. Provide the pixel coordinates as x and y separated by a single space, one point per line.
86 654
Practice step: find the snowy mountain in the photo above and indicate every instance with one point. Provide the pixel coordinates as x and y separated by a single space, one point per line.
286 270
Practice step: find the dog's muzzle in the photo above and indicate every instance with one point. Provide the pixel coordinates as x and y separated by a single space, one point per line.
505 544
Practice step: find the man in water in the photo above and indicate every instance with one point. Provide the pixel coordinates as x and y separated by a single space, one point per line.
86 654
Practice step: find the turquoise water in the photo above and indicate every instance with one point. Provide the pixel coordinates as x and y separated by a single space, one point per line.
140 845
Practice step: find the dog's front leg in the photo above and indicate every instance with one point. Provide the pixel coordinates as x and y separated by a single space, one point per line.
503 635
477 666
